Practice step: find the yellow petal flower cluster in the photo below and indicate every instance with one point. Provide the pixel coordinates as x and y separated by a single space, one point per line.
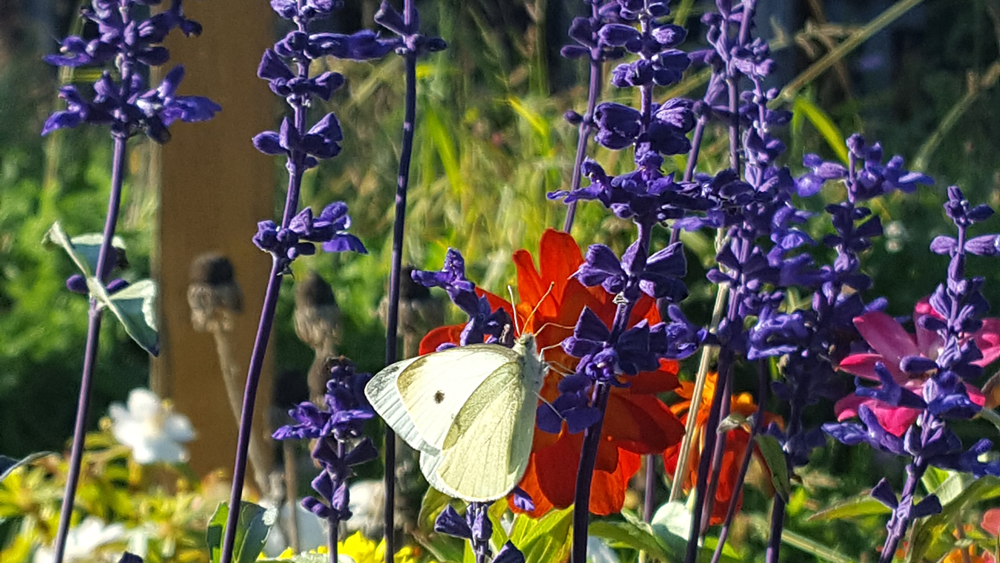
361 550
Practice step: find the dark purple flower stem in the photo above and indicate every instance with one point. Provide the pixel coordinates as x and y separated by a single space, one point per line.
249 398
586 128
898 525
592 436
696 139
724 370
778 508
295 172
717 453
392 320
90 352
649 498
758 425
334 532
725 358
704 463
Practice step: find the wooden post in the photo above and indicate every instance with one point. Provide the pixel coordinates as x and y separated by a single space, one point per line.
214 188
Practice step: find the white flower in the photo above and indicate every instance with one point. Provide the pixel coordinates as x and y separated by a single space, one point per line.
313 531
151 428
83 540
366 506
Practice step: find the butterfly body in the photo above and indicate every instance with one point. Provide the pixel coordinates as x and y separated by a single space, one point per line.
469 410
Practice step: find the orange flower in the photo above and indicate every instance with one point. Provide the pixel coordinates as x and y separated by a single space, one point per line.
736 443
635 423
981 557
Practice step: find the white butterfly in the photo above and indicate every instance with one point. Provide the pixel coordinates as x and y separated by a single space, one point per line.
469 410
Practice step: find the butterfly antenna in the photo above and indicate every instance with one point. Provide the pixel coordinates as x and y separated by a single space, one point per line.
562 370
546 325
510 291
539 304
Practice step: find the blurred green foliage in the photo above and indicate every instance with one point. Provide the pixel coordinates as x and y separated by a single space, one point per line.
163 509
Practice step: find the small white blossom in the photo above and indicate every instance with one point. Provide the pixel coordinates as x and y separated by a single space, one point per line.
151 428
83 541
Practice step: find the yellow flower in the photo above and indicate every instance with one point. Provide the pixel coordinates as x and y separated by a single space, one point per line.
361 550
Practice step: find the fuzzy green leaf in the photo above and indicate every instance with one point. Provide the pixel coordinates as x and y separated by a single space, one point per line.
134 307
251 530
775 459
852 507
926 530
544 539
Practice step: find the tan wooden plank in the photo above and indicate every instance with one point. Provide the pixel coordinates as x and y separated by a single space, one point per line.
214 188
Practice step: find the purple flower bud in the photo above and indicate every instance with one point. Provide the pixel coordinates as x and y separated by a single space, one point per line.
77 284
984 245
944 245
883 493
451 523
620 35
522 500
509 554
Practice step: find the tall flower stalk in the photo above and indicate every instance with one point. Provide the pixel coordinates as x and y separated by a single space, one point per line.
336 429
410 45
815 340
303 147
953 318
121 100
585 31
646 197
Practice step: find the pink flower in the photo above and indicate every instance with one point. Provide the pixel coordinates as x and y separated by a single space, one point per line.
890 344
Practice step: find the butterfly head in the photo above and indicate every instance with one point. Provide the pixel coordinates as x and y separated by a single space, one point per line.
535 367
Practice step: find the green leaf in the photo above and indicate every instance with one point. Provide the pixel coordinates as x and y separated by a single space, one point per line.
9 464
495 513
671 524
431 506
544 539
775 459
251 531
926 530
56 236
852 507
627 534
89 246
135 308
950 487
814 548
442 547
933 479
824 124
733 421
992 416
82 249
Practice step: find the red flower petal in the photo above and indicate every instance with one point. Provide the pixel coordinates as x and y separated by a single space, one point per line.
888 338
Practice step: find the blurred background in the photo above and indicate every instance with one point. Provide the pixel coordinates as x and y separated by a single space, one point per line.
490 143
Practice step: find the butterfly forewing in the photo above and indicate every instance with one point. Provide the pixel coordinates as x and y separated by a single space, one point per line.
418 398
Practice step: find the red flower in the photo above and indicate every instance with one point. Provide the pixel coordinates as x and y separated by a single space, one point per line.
736 443
891 343
635 423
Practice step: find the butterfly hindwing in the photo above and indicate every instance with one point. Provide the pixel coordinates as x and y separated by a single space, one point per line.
419 397
494 428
